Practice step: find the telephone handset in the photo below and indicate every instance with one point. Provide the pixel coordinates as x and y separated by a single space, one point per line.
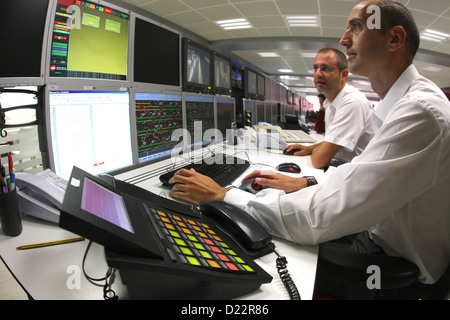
41 195
239 223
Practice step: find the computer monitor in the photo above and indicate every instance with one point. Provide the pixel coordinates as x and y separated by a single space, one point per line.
156 54
158 115
199 120
197 67
23 30
222 75
250 84
225 114
261 87
89 41
90 130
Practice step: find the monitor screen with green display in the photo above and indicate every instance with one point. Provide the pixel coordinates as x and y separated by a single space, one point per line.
89 41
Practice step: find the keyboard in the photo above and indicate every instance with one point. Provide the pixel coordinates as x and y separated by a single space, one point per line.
222 172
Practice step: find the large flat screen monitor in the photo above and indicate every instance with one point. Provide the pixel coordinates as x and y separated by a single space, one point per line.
90 130
156 54
199 120
90 41
197 68
222 75
22 32
158 115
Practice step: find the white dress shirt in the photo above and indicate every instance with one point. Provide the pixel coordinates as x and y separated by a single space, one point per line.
398 188
349 122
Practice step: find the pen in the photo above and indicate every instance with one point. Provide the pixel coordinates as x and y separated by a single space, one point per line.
51 243
12 180
10 164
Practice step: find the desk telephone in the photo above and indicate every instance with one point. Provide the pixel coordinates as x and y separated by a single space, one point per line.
165 249
41 195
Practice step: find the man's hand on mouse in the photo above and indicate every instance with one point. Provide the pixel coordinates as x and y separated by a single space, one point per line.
271 179
195 187
301 150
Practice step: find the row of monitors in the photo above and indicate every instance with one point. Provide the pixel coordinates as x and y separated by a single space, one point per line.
268 112
104 131
92 40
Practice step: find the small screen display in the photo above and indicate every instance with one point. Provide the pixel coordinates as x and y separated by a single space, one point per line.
105 204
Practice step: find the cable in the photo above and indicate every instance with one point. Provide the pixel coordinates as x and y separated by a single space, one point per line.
108 293
286 277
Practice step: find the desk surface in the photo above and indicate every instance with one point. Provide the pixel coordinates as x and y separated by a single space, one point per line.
55 272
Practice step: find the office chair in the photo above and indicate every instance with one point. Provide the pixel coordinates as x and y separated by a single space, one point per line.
351 268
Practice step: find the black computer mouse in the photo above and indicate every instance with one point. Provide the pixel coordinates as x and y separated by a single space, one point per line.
291 152
289 167
251 186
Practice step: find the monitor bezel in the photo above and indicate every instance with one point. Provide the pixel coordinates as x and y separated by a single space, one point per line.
34 80
88 81
193 86
79 87
247 92
139 85
218 89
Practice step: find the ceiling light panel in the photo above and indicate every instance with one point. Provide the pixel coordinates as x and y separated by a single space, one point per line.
302 21
434 35
234 24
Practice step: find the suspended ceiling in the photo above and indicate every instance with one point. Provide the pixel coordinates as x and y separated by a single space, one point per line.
296 46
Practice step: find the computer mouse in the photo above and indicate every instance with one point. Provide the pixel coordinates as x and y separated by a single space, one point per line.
289 167
251 186
291 152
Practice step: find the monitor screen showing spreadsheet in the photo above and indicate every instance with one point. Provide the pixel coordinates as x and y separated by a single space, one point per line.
90 130
158 115
89 40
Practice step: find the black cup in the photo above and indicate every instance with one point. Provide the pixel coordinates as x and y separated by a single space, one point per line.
10 217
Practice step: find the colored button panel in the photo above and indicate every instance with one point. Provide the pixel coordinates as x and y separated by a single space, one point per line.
196 244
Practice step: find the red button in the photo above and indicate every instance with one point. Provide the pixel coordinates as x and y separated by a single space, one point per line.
232 266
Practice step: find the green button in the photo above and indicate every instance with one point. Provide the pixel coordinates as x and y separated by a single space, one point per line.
239 260
192 238
199 246
180 242
206 255
186 251
247 268
174 234
223 244
231 252
193 261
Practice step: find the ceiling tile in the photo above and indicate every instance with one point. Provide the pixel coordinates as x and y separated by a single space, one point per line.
295 7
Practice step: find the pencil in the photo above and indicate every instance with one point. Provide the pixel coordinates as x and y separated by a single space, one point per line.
51 243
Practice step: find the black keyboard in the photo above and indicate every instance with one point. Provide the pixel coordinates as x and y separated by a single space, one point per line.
222 172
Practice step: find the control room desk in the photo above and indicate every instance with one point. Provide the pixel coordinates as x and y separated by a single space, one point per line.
55 272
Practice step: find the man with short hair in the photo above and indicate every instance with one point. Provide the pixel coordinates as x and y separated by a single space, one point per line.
349 124
393 198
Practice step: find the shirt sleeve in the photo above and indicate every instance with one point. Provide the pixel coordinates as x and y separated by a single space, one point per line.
359 194
348 123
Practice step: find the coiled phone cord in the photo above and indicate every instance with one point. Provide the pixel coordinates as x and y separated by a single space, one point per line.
285 277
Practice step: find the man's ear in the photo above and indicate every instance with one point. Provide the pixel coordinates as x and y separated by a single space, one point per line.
397 39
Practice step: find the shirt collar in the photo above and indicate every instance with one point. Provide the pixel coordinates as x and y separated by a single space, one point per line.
396 92
337 99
